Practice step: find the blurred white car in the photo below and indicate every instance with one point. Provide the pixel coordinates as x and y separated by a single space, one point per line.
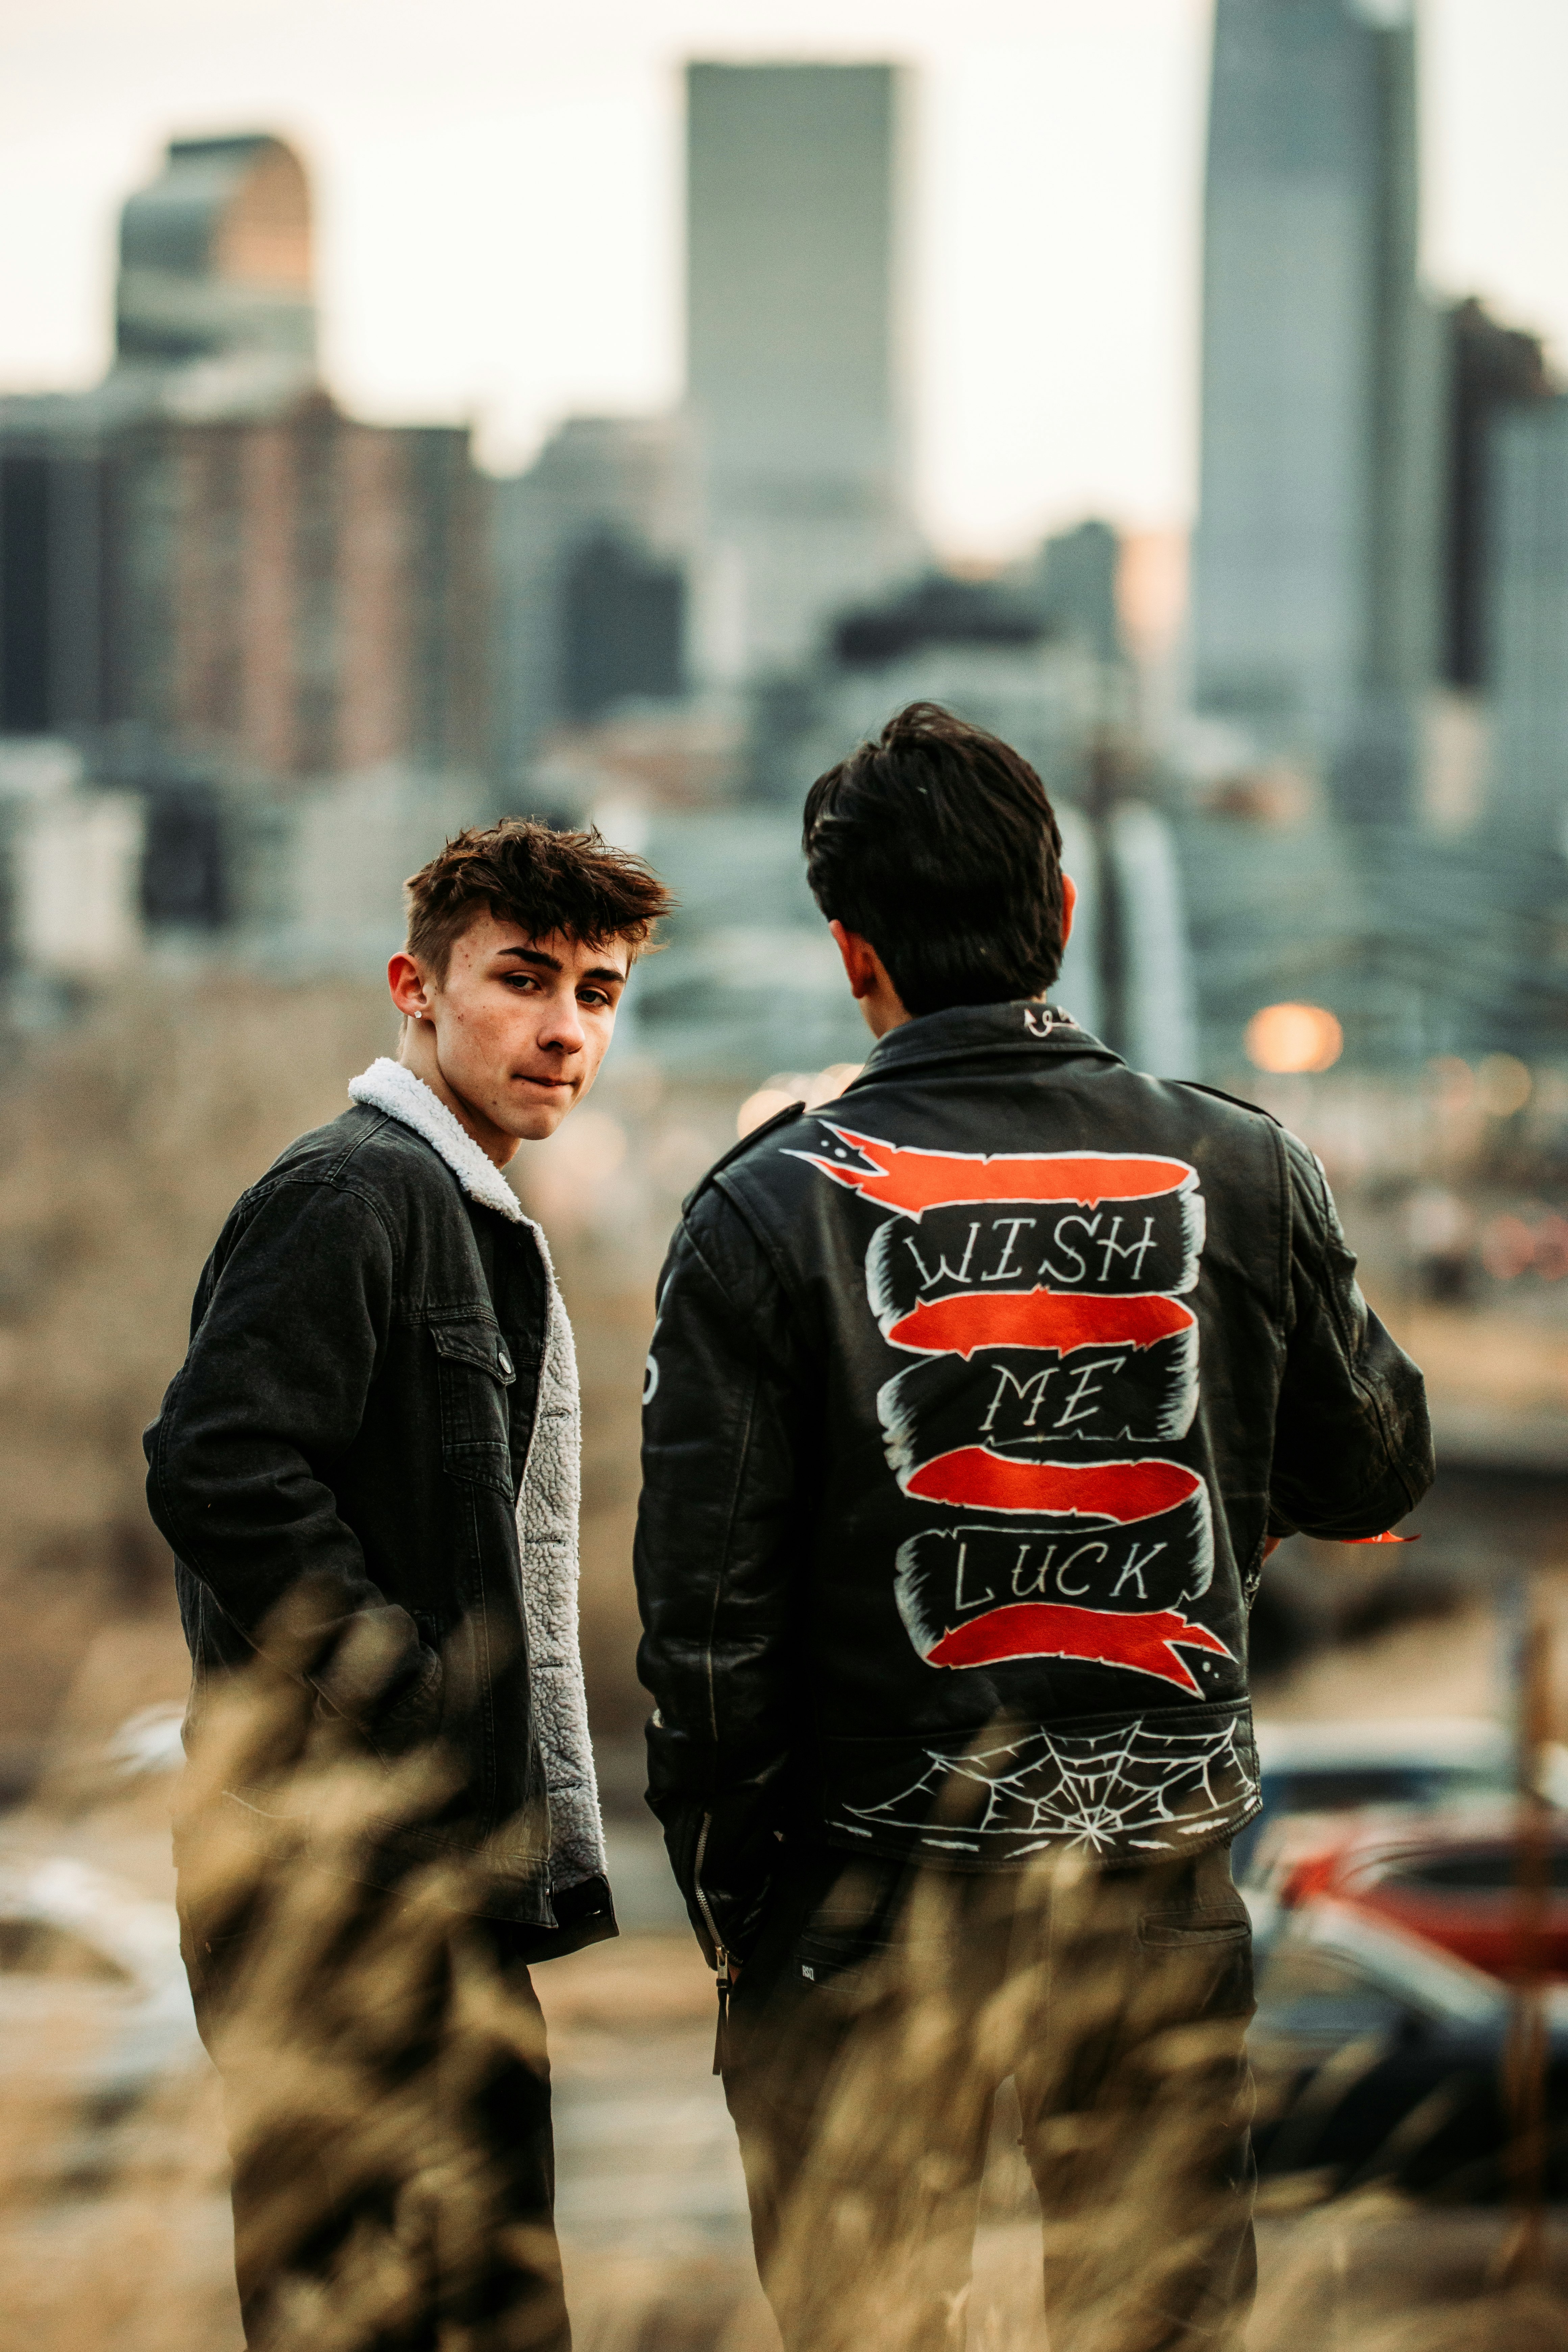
95 2014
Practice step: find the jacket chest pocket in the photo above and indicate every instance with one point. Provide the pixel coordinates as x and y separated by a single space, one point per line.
475 1373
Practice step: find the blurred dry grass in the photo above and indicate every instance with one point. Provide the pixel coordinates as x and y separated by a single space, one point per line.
139 2263
142 2264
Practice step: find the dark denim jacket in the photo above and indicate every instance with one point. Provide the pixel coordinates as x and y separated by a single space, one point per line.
333 1468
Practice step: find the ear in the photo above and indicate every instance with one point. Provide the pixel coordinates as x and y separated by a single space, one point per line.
1069 905
406 982
861 966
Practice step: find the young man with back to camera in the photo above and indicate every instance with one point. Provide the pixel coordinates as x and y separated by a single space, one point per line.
367 1469
976 1399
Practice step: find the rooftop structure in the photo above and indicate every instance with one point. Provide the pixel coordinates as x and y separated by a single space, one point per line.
216 255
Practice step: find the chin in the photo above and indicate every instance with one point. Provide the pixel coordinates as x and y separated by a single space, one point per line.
535 1122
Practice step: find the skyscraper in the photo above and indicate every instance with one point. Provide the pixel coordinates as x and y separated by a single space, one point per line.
215 261
1526 633
1316 591
591 548
793 367
1491 369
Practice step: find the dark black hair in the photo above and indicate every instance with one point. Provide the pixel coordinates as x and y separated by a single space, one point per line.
938 844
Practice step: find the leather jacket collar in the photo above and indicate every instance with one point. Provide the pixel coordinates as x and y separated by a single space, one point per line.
1022 1029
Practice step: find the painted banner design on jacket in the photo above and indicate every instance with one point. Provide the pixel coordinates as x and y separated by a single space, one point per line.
912 1181
973 1595
1057 1366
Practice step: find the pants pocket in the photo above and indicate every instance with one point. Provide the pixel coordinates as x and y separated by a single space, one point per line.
843 1957
1198 1959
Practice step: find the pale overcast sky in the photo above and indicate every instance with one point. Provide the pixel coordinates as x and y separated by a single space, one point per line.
498 189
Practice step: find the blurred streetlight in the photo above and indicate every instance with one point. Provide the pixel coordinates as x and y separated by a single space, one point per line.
1453 1081
810 1087
1289 1038
1504 1084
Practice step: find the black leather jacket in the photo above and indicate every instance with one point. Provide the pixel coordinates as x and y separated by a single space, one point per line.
335 1467
972 1401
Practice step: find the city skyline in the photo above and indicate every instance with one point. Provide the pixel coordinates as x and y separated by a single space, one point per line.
501 213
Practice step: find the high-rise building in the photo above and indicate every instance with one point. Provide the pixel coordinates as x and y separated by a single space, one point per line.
215 265
1526 636
1316 600
213 584
794 360
1072 585
591 551
1490 367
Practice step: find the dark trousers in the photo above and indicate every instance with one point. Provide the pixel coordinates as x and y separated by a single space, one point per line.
866 2037
388 2094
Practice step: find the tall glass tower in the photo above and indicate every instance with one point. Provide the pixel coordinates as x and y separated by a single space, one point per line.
793 364
1316 597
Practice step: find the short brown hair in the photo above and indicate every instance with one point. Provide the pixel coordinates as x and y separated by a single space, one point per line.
574 883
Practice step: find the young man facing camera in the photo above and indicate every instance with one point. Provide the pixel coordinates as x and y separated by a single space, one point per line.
976 1399
367 1469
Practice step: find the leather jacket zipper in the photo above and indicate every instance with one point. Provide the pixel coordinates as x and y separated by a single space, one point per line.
721 1957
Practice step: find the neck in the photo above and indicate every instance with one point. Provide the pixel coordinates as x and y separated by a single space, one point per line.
881 1014
417 1053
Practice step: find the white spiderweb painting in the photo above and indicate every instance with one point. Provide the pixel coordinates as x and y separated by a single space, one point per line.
1133 1790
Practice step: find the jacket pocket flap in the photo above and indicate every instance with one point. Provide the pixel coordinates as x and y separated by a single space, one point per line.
479 1344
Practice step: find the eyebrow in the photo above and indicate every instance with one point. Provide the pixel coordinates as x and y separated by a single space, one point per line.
553 963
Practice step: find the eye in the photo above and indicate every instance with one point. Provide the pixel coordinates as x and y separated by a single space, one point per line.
520 979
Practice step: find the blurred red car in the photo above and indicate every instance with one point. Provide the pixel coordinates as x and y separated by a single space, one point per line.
1452 1878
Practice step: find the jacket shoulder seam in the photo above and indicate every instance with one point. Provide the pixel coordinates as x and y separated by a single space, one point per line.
761 1239
778 1264
328 1181
732 1501
737 1150
1239 1102
1287 1218
1365 1385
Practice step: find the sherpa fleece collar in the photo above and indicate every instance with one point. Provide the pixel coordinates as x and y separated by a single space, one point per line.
390 1087
547 1503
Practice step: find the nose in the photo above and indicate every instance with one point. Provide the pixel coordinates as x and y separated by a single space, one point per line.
562 1032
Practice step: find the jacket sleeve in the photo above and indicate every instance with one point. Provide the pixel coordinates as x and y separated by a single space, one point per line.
290 1324
717 1564
1352 1449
